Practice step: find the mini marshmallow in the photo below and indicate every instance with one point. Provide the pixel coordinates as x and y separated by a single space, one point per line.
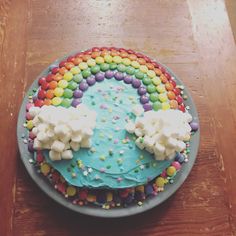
137 110
42 137
86 143
75 146
37 144
58 146
34 111
76 138
54 156
138 132
67 155
139 143
130 127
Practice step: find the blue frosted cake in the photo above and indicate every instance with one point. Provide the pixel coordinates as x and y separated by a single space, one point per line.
108 124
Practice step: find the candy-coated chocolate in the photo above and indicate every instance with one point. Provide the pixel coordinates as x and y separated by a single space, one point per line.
58 92
157 105
83 86
171 171
78 93
121 68
95 69
100 76
136 83
52 85
49 94
86 73
56 101
41 94
68 76
75 70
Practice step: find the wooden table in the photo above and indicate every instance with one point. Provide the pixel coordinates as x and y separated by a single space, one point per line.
193 38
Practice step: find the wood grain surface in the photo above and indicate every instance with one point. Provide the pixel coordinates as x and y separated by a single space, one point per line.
193 38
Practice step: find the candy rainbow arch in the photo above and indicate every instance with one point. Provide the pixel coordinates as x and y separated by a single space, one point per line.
66 82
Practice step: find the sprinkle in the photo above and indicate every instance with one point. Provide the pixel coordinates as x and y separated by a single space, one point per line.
85 173
185 97
110 137
136 171
97 177
93 150
31 161
108 166
102 158
25 141
187 107
141 157
110 110
116 141
116 117
102 170
142 167
119 161
110 152
23 135
90 170
117 128
140 203
113 121
154 164
93 103
73 175
121 152
119 179
103 120
101 135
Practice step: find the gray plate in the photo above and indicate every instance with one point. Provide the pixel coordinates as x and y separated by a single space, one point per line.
45 185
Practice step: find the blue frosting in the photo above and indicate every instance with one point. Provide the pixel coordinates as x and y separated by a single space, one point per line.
114 161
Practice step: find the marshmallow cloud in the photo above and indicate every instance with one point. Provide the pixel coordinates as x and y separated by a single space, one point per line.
62 130
162 133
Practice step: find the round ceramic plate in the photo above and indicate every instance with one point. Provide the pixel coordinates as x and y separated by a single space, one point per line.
149 203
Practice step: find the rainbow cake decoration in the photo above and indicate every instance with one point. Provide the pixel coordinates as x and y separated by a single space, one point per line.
108 127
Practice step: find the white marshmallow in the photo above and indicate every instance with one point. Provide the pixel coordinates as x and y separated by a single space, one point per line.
67 155
130 127
138 132
137 110
75 146
58 146
33 111
85 143
42 137
37 144
139 143
54 156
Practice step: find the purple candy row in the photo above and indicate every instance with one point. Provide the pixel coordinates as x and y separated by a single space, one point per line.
100 76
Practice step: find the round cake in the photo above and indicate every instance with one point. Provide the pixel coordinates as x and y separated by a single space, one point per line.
108 126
